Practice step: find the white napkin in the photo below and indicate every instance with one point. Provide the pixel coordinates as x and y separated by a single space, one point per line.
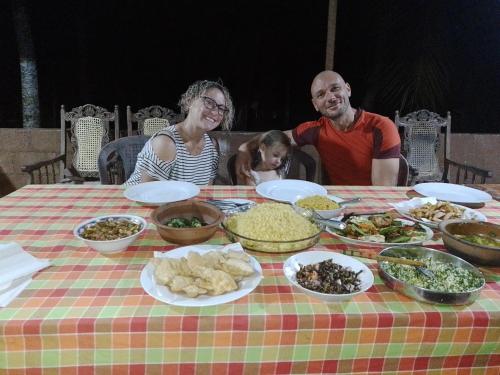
16 268
11 290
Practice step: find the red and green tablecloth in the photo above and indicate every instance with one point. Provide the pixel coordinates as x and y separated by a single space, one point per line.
88 314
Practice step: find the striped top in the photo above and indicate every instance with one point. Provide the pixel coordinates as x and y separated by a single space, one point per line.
199 169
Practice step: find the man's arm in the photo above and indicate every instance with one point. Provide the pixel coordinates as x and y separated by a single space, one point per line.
243 162
385 172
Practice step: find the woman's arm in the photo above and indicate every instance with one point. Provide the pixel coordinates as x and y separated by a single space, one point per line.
164 148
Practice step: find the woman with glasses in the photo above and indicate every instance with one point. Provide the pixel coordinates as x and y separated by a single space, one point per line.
184 151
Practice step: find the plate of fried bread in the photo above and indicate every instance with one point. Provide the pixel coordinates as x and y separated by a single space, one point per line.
201 275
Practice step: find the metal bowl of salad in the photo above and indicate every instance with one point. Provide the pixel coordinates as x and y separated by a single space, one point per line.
382 230
451 280
477 242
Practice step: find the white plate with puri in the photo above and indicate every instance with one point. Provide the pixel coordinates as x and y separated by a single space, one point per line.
162 293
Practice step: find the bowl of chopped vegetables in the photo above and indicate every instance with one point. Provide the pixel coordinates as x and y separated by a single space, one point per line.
110 234
451 280
477 242
382 230
187 222
328 276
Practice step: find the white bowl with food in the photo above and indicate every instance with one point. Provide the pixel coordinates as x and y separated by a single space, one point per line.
111 233
328 276
327 206
431 211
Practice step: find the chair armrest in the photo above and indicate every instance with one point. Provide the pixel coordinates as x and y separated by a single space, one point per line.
32 167
45 168
463 171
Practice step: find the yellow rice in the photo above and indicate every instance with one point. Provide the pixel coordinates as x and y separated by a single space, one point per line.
272 222
317 202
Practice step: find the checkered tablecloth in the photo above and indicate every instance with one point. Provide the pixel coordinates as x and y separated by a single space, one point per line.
88 314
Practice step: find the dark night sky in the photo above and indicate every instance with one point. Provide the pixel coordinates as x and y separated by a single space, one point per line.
446 53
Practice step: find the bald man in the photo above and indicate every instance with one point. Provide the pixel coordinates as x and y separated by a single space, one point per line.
356 147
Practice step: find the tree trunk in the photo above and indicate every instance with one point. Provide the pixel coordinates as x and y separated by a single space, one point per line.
330 36
27 65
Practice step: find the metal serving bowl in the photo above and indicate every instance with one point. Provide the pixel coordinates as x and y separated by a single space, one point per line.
479 254
426 295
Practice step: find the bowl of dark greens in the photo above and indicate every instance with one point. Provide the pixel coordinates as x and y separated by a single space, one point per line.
187 222
475 241
443 279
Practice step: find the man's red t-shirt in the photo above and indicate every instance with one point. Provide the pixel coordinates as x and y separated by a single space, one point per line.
347 156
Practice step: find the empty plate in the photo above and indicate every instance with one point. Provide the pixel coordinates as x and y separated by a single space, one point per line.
452 192
161 192
289 190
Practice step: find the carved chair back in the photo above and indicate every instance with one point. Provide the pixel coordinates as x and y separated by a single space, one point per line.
89 131
150 119
421 143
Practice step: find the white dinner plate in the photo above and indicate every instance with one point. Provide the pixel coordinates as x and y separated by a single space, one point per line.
289 190
404 209
428 236
161 192
452 193
292 265
163 293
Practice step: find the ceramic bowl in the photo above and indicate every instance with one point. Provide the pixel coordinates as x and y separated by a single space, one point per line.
110 246
188 209
292 265
475 253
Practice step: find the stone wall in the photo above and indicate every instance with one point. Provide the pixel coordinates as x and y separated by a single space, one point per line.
24 146
19 147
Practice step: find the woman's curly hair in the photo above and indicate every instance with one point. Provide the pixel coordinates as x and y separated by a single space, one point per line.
198 89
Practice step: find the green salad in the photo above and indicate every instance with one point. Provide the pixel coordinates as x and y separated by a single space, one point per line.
447 277
181 222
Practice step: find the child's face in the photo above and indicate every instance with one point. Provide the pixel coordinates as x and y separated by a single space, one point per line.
272 156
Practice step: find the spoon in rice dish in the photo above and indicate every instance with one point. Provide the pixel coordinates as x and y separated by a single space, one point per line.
310 213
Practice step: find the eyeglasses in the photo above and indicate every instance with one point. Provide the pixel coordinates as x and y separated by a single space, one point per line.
212 104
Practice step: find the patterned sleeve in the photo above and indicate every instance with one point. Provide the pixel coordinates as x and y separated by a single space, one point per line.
215 165
386 141
155 167
152 165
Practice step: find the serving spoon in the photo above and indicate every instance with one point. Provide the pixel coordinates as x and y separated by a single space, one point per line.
420 266
349 201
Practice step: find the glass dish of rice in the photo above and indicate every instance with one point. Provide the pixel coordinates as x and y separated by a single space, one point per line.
271 228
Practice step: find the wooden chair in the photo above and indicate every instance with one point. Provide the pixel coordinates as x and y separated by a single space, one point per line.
406 174
118 158
87 133
421 143
150 119
299 160
464 174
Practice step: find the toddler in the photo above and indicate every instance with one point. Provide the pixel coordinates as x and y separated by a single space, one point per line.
270 158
